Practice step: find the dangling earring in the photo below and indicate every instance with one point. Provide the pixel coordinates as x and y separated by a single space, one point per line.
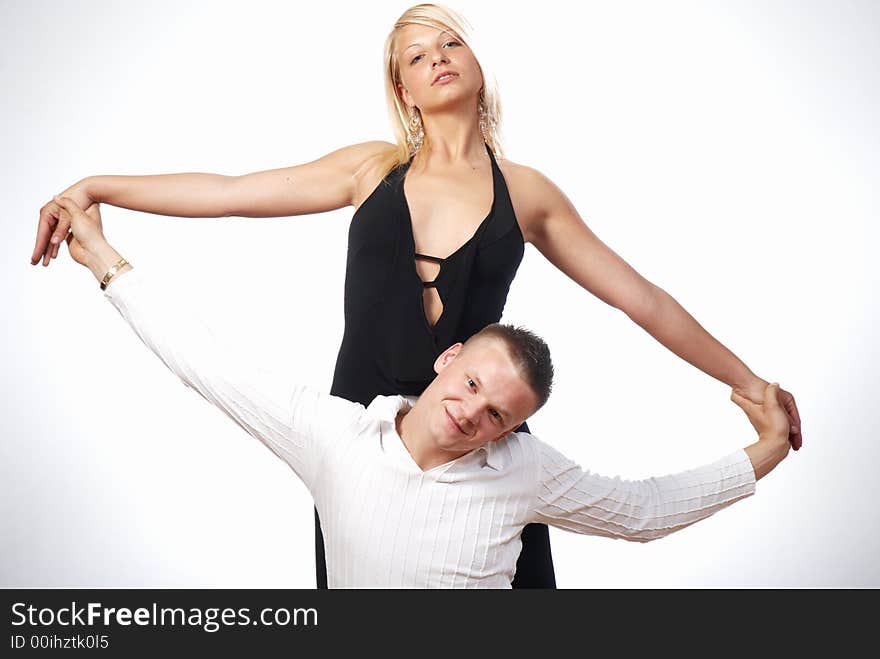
415 131
484 119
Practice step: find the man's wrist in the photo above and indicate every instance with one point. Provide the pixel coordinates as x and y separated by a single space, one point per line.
774 440
102 258
765 454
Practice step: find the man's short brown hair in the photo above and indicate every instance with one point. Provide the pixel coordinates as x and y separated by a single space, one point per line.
529 353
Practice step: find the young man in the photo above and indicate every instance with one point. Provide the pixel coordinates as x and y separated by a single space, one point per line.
431 492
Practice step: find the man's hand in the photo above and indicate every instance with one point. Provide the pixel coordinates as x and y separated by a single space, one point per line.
53 223
87 244
771 422
768 419
755 393
86 230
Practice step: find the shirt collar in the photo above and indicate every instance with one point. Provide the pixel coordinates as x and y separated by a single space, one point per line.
386 408
491 455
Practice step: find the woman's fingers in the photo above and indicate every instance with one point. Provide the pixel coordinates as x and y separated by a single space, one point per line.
62 228
45 229
59 233
53 227
791 409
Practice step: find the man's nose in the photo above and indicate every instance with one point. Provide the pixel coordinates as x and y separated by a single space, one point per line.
470 414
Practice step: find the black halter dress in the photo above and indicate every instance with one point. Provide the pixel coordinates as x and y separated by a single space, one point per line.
389 347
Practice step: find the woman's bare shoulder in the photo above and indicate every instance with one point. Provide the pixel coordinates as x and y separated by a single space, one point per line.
531 193
361 155
522 175
372 147
372 161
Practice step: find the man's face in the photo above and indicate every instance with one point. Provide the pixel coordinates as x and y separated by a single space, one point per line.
477 397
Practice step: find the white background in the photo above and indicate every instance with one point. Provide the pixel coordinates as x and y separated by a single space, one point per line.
727 150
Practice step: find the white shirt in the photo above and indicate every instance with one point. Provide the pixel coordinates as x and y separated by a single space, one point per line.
386 522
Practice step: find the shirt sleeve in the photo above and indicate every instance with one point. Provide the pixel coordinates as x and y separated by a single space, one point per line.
582 502
296 423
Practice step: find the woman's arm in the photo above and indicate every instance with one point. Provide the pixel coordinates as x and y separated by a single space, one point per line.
552 224
318 186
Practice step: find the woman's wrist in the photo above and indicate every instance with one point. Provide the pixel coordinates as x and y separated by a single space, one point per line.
751 385
91 187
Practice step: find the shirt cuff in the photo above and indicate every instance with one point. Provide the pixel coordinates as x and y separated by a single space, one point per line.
121 285
738 471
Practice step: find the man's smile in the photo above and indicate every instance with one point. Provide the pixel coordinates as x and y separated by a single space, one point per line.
453 422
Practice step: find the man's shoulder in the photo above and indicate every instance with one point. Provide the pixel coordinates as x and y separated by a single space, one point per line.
516 449
386 408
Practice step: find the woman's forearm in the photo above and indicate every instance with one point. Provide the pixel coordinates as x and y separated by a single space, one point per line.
181 195
675 328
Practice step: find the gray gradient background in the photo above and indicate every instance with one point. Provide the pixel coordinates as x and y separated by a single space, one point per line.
728 151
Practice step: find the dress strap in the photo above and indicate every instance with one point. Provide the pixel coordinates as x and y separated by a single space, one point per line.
433 259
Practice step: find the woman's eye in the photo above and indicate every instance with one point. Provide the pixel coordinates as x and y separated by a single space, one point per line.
448 43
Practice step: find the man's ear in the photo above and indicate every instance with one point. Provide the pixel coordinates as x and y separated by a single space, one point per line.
446 357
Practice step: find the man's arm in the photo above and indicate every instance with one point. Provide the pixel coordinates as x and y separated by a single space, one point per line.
645 510
293 422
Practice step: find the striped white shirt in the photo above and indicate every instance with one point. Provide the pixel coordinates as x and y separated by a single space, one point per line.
386 522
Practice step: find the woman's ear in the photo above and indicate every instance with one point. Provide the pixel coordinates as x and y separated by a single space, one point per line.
446 357
405 97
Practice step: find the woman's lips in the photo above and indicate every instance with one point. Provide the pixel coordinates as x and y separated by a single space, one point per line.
448 77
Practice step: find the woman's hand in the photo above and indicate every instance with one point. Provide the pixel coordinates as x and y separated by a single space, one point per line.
53 225
755 392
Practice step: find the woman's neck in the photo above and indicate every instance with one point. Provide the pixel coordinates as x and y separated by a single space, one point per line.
455 139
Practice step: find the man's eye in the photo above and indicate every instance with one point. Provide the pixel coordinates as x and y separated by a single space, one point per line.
472 384
495 415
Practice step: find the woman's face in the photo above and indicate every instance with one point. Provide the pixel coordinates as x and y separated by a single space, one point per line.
424 53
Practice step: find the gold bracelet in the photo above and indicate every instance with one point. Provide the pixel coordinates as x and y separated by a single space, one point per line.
112 271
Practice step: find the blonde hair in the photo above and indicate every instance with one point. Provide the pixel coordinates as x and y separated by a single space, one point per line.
442 18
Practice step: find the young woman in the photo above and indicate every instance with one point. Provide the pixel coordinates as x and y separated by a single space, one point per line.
440 224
